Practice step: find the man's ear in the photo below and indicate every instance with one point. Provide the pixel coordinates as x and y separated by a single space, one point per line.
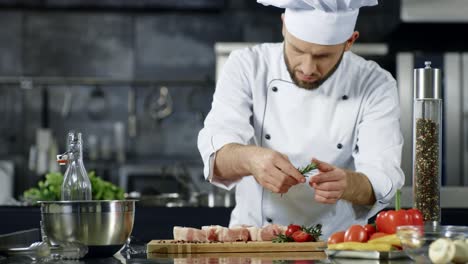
349 43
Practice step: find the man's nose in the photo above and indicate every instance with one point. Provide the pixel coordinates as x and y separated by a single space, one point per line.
308 66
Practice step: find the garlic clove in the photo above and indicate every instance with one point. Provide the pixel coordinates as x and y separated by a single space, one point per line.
441 251
461 251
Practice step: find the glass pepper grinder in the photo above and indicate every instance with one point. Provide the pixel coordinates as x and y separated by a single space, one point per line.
76 184
427 142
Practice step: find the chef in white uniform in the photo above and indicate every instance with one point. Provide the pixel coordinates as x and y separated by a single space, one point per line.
278 106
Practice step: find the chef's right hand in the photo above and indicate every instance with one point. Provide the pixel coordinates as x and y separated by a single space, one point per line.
273 170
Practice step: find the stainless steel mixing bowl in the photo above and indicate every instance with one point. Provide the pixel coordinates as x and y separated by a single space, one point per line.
103 226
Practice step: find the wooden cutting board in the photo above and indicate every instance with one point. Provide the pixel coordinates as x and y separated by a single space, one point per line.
171 246
309 255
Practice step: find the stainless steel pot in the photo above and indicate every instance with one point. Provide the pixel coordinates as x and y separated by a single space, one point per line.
103 226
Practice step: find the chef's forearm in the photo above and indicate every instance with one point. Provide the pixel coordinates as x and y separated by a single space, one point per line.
359 190
231 162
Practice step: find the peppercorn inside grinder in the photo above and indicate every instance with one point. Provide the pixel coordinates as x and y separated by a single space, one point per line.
427 142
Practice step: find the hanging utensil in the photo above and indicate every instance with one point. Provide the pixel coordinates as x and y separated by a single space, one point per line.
132 118
67 101
159 105
97 104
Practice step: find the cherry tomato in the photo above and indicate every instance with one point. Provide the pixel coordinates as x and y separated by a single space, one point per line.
291 229
336 237
377 235
301 236
370 229
355 233
416 216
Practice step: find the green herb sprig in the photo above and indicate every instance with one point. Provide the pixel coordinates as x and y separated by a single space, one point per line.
312 166
282 239
314 231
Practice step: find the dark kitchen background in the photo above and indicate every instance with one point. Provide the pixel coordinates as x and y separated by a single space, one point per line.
137 78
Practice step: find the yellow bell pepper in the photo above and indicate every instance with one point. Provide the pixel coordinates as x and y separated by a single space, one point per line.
382 247
390 239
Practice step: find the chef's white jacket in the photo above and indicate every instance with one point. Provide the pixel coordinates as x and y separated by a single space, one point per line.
351 121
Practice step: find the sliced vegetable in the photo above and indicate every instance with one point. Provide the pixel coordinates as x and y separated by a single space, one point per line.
377 235
382 247
389 239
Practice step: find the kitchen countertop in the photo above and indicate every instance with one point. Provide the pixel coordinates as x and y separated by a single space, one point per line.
239 258
157 222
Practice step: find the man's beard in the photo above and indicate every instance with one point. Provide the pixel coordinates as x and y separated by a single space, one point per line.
311 85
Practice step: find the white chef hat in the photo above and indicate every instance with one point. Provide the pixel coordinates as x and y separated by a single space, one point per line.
325 22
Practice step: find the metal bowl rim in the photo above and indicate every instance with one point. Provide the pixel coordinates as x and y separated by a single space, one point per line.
87 201
93 207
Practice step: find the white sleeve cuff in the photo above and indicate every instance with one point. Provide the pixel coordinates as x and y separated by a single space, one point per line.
217 141
384 185
215 180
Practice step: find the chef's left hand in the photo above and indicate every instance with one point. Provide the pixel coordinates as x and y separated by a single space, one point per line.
329 184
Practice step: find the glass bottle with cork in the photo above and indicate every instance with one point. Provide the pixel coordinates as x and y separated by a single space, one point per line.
76 184
427 142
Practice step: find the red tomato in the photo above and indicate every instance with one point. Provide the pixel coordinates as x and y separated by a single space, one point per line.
355 233
291 229
370 229
336 238
377 235
301 236
416 216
